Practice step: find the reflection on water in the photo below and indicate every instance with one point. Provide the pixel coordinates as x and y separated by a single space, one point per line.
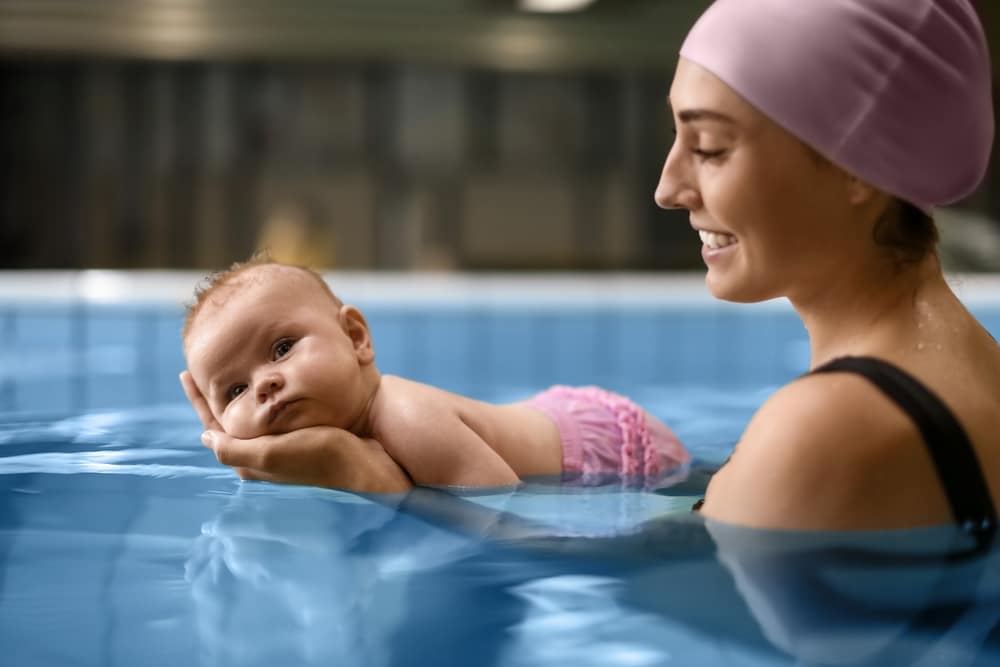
124 538
278 582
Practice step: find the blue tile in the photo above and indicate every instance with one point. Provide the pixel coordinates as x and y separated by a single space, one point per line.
71 358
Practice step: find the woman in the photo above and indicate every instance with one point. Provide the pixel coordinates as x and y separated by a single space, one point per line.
813 138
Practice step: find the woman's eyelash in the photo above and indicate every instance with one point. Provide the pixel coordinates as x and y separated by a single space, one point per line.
700 153
708 155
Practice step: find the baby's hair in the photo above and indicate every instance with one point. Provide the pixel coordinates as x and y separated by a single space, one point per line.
217 280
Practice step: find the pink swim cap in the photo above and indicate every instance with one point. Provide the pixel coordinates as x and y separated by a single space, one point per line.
898 92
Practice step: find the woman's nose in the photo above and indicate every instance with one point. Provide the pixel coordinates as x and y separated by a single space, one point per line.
267 385
675 189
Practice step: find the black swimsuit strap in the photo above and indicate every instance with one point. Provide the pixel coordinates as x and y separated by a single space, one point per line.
954 457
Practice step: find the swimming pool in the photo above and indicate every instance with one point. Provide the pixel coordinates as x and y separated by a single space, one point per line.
123 542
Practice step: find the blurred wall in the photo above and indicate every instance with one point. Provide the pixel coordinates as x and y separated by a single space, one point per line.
366 134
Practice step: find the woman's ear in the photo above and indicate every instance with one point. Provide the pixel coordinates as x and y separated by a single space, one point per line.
354 325
869 202
859 192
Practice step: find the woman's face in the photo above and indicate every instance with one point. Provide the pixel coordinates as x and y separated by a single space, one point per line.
773 215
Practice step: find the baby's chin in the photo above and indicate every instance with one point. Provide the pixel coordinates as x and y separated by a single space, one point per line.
246 433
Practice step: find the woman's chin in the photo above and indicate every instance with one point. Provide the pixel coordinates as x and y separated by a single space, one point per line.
730 288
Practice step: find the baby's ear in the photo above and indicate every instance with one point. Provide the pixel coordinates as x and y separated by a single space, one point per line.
356 328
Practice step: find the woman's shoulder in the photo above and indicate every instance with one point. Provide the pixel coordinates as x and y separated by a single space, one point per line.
829 452
829 407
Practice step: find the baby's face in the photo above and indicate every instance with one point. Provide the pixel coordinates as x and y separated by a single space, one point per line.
273 353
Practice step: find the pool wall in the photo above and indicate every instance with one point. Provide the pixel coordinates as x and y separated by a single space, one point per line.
96 340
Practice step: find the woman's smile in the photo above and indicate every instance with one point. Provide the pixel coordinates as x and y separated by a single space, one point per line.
716 245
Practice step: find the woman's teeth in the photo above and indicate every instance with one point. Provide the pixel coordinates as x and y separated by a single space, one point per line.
715 239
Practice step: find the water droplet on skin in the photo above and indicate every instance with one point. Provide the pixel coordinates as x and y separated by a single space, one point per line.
920 346
938 347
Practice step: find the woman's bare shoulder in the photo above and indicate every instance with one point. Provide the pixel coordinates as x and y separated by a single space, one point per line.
828 452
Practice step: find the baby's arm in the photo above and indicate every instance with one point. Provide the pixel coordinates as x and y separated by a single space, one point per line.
429 439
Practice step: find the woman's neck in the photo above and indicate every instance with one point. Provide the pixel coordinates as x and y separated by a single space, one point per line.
871 312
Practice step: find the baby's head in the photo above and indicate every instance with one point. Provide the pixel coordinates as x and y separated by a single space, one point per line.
272 350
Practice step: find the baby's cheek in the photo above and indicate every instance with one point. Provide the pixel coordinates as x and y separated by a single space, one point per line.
230 422
238 422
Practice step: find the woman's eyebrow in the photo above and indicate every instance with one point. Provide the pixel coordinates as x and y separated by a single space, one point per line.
692 115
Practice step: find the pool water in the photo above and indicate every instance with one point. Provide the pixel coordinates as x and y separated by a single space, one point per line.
123 541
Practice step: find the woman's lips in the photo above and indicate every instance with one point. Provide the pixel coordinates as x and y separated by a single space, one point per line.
716 245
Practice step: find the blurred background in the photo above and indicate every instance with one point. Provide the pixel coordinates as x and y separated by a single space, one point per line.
356 134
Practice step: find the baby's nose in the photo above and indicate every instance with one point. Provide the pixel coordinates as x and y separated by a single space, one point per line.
268 385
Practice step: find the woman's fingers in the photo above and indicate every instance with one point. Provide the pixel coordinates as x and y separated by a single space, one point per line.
255 475
234 452
198 402
314 456
305 456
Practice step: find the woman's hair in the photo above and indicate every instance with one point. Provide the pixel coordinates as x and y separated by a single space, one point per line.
907 232
903 229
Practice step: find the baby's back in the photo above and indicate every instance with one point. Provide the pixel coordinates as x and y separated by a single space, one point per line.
523 437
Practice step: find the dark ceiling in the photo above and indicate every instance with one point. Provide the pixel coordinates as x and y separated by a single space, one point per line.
489 33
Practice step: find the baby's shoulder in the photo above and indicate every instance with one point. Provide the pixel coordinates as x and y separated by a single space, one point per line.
404 405
408 395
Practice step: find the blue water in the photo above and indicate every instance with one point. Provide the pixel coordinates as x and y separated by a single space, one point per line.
123 542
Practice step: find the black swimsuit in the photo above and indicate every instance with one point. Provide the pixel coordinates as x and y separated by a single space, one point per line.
950 449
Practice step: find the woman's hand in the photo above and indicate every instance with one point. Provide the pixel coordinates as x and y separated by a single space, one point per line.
313 456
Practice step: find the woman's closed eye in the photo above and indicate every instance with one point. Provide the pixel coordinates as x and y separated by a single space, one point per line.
705 154
702 154
281 348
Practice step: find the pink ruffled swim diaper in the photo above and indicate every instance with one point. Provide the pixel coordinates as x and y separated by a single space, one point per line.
606 436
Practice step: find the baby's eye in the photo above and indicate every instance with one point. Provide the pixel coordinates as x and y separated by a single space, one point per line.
234 392
282 347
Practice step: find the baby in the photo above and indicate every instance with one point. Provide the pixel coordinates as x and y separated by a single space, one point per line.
271 349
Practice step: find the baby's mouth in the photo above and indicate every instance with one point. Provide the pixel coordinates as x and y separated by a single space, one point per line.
276 410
